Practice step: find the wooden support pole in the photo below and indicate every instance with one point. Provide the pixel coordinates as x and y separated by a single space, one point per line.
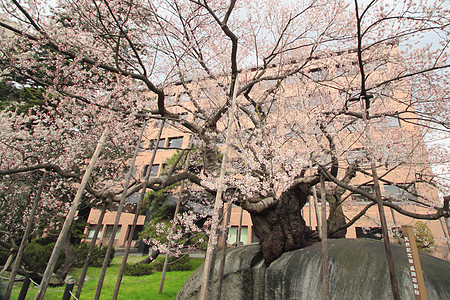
9 261
68 222
382 215
98 290
136 214
170 241
310 211
25 287
67 291
325 275
26 234
213 239
316 207
90 250
224 250
447 221
238 236
387 244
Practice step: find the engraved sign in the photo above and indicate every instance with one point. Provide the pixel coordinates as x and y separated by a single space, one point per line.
415 269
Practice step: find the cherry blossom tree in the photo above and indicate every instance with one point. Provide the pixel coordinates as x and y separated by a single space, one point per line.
304 69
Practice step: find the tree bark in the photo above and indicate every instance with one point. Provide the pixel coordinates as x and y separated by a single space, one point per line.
7 264
150 258
336 218
281 228
62 272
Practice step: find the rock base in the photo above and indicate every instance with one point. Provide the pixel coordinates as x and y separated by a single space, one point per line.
357 267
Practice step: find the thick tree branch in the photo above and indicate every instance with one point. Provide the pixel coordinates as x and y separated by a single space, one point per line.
48 167
259 206
440 212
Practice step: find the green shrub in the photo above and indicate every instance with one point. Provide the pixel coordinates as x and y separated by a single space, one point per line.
181 263
424 237
40 254
139 269
97 255
4 254
50 238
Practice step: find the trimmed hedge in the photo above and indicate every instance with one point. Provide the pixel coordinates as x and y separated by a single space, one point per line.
181 263
139 269
40 255
97 255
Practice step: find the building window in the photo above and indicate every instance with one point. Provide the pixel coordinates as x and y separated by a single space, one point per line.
255 239
233 232
388 122
313 101
203 94
136 232
360 198
91 233
133 198
249 108
161 144
109 229
401 191
153 172
220 140
169 99
357 156
293 79
318 74
270 106
142 145
184 97
270 83
175 143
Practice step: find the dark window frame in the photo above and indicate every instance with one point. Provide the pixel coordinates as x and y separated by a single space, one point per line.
178 140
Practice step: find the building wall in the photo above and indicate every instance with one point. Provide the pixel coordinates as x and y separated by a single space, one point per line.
125 222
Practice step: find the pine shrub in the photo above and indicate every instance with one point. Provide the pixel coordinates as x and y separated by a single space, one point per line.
181 263
139 269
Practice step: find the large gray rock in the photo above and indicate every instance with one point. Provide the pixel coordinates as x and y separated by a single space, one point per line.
357 268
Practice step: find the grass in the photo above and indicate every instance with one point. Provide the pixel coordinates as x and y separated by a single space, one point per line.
131 288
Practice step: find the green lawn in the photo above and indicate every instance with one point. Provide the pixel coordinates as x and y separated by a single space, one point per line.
142 287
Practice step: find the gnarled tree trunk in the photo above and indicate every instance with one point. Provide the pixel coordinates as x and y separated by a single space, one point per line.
336 217
281 227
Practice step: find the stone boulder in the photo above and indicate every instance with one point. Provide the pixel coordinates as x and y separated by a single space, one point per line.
357 267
